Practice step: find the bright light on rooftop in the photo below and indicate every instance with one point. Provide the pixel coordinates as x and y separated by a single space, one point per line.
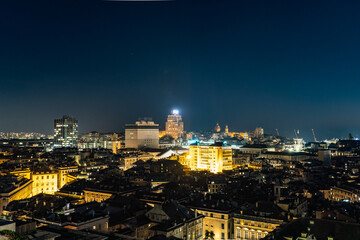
175 112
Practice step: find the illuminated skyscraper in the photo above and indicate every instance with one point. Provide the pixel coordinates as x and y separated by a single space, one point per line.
65 132
174 125
143 133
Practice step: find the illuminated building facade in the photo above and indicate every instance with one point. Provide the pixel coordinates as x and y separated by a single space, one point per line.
47 181
338 194
298 144
13 188
142 134
130 161
65 132
92 195
224 221
217 223
253 227
174 125
214 158
63 176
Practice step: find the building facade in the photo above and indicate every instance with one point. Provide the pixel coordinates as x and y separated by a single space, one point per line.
175 220
212 158
218 224
92 195
226 223
142 134
253 227
338 194
65 132
14 189
174 125
47 181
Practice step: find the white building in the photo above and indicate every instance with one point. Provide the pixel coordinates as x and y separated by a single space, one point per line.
142 134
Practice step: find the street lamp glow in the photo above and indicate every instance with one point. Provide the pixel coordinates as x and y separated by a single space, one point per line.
175 112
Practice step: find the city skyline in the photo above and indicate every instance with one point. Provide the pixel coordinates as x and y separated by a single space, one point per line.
179 119
306 134
279 65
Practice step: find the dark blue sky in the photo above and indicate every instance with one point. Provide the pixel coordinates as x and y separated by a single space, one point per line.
245 63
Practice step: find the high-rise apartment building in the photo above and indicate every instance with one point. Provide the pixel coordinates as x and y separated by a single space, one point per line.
65 132
174 125
214 158
142 134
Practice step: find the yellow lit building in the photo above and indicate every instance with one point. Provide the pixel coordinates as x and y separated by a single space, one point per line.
253 227
183 159
338 194
226 224
116 145
3 160
162 133
48 181
64 176
237 134
26 173
96 195
217 224
129 161
213 158
19 190
45 182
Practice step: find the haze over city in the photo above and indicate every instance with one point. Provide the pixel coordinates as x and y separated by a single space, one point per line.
276 64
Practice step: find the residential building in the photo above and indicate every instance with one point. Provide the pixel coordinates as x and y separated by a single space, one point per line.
338 194
13 188
214 158
45 182
175 220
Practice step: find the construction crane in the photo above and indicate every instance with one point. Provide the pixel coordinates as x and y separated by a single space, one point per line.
277 132
313 132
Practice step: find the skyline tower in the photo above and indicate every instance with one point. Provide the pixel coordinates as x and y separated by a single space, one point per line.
65 132
174 125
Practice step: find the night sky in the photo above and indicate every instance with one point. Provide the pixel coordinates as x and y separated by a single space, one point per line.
246 63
